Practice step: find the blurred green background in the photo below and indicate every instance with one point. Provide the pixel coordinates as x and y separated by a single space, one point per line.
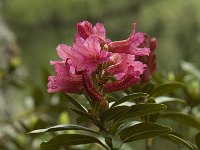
31 30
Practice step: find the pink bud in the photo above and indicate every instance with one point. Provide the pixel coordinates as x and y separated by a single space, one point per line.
84 29
90 89
125 82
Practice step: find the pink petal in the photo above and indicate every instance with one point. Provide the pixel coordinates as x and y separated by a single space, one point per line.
132 45
65 81
99 30
84 29
64 51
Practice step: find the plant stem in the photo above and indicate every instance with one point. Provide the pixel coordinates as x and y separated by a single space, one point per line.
149 144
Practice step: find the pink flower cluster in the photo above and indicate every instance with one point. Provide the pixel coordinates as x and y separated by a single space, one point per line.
93 59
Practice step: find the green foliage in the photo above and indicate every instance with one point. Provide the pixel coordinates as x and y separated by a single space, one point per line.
178 140
130 97
183 118
66 140
197 140
143 131
61 128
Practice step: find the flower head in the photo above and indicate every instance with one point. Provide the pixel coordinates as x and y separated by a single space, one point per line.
134 45
64 80
150 61
88 64
84 54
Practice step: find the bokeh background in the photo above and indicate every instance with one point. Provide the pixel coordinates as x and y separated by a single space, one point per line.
31 30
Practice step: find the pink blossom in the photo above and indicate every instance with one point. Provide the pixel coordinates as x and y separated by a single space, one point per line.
130 78
121 63
134 45
84 54
64 80
150 61
85 29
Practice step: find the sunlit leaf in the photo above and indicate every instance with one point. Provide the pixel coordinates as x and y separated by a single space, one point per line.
130 97
183 118
143 131
190 68
61 128
166 88
166 99
69 139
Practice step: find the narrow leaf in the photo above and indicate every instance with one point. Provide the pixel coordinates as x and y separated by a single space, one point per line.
148 87
166 88
142 110
183 118
143 131
62 128
197 140
190 68
178 140
112 113
82 113
67 140
77 104
166 99
130 97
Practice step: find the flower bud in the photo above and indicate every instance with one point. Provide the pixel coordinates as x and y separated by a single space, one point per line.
90 89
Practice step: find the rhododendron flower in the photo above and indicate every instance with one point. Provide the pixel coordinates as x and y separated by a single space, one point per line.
121 64
88 64
85 30
133 45
64 80
150 61
84 54
130 78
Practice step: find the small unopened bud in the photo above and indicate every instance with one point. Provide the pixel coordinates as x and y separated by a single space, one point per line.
153 44
90 89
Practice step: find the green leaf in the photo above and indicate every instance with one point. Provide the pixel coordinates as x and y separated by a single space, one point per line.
112 141
190 68
126 125
67 140
82 113
148 87
130 97
142 110
166 88
77 104
178 140
197 140
143 131
183 118
166 99
61 128
112 113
